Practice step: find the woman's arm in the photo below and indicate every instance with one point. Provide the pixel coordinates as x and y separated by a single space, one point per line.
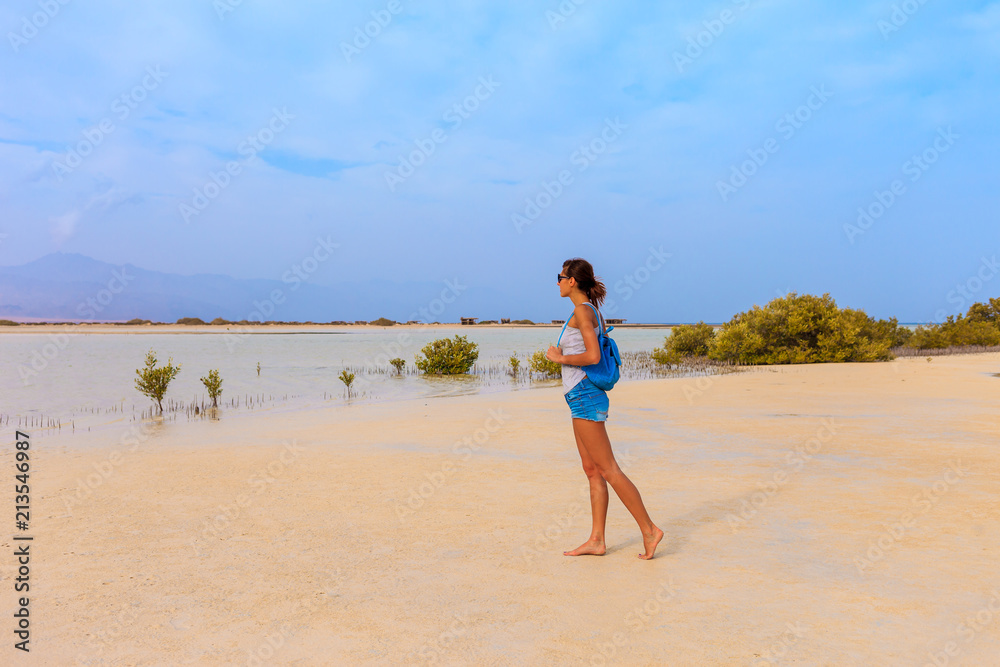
583 314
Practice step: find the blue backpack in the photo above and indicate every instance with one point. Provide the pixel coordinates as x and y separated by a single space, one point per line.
604 374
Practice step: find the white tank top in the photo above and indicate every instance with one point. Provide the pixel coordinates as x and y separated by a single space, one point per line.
572 343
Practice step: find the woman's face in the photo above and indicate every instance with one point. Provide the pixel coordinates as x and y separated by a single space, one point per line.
564 285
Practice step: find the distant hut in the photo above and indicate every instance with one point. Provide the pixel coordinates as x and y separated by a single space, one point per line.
469 320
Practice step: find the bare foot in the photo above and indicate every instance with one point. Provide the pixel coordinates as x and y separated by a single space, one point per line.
650 541
590 547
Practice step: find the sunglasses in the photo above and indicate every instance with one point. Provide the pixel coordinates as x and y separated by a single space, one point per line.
560 277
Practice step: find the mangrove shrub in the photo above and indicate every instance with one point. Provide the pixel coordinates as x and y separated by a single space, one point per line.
803 329
447 356
153 380
979 326
542 364
685 340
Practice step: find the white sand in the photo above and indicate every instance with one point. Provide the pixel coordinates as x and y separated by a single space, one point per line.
361 535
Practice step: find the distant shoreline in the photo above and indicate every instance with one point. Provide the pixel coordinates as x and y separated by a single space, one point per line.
107 328
290 328
298 327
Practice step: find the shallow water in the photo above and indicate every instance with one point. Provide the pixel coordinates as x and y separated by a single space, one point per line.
72 375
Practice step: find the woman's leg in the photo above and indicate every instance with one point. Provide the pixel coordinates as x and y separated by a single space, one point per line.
595 440
598 503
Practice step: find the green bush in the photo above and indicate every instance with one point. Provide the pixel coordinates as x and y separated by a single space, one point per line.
219 320
153 381
666 357
522 322
888 330
348 380
383 322
902 335
542 364
802 330
979 326
515 365
447 356
685 340
985 312
8 323
955 332
398 364
213 384
928 337
190 320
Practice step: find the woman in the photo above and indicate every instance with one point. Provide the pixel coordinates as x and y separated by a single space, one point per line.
589 409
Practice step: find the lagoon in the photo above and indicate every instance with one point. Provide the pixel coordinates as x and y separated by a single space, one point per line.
64 375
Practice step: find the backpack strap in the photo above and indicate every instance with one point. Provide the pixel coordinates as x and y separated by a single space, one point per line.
563 330
599 320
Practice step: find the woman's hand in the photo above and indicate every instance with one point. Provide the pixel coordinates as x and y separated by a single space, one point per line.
555 354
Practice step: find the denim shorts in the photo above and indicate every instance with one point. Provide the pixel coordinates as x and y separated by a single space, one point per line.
586 401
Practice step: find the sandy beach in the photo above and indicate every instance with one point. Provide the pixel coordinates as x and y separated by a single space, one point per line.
839 514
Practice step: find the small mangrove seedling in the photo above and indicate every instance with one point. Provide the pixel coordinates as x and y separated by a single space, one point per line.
347 379
153 381
258 369
213 384
398 364
515 365
542 364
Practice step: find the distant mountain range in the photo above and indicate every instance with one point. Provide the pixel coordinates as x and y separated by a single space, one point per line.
65 286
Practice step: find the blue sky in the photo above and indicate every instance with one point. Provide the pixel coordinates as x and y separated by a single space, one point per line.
646 110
